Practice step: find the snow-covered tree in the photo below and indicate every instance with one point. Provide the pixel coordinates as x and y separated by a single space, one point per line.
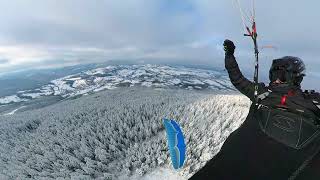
115 133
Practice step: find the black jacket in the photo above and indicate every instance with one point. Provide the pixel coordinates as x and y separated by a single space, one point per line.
245 86
248 153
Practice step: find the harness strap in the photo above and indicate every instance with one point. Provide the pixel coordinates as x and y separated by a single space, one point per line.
295 174
264 95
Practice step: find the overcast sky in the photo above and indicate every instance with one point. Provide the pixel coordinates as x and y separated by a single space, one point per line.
49 33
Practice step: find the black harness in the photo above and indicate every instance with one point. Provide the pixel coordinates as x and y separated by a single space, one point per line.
294 122
288 119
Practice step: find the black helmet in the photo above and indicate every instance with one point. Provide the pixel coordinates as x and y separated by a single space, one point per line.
288 69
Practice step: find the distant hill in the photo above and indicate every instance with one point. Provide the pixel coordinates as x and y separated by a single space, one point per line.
11 83
81 81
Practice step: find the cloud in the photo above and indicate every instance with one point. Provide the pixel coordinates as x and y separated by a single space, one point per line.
4 61
50 33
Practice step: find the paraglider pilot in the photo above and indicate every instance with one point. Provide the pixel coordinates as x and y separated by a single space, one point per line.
280 138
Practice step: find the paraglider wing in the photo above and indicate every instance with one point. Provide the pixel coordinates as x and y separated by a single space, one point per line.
176 144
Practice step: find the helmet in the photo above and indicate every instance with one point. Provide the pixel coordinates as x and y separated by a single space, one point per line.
288 69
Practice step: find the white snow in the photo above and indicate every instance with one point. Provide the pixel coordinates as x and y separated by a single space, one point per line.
33 95
80 83
99 80
175 81
213 83
195 81
110 77
14 111
138 73
62 85
135 81
126 72
157 174
117 133
107 86
74 79
147 84
98 70
11 99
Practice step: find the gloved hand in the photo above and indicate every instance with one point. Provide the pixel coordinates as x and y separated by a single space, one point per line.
229 47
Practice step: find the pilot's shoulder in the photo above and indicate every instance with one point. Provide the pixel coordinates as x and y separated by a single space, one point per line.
313 95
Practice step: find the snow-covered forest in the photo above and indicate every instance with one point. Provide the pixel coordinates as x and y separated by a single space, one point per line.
116 134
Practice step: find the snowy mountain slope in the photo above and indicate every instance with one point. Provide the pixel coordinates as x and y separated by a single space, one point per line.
116 134
111 77
161 173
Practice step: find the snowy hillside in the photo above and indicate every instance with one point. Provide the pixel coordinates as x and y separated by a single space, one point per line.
116 134
112 77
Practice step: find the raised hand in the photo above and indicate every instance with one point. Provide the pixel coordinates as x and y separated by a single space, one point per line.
229 47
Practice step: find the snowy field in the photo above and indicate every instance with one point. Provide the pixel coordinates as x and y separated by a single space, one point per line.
111 77
117 134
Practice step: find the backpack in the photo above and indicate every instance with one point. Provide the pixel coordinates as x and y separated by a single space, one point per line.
291 119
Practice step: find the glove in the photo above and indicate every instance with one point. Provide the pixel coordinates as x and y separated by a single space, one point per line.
229 47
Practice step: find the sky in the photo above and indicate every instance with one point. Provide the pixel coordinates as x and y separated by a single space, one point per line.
50 33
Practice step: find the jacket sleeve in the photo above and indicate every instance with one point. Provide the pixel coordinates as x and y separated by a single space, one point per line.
241 83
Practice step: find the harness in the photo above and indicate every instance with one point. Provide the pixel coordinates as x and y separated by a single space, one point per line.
292 126
290 121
